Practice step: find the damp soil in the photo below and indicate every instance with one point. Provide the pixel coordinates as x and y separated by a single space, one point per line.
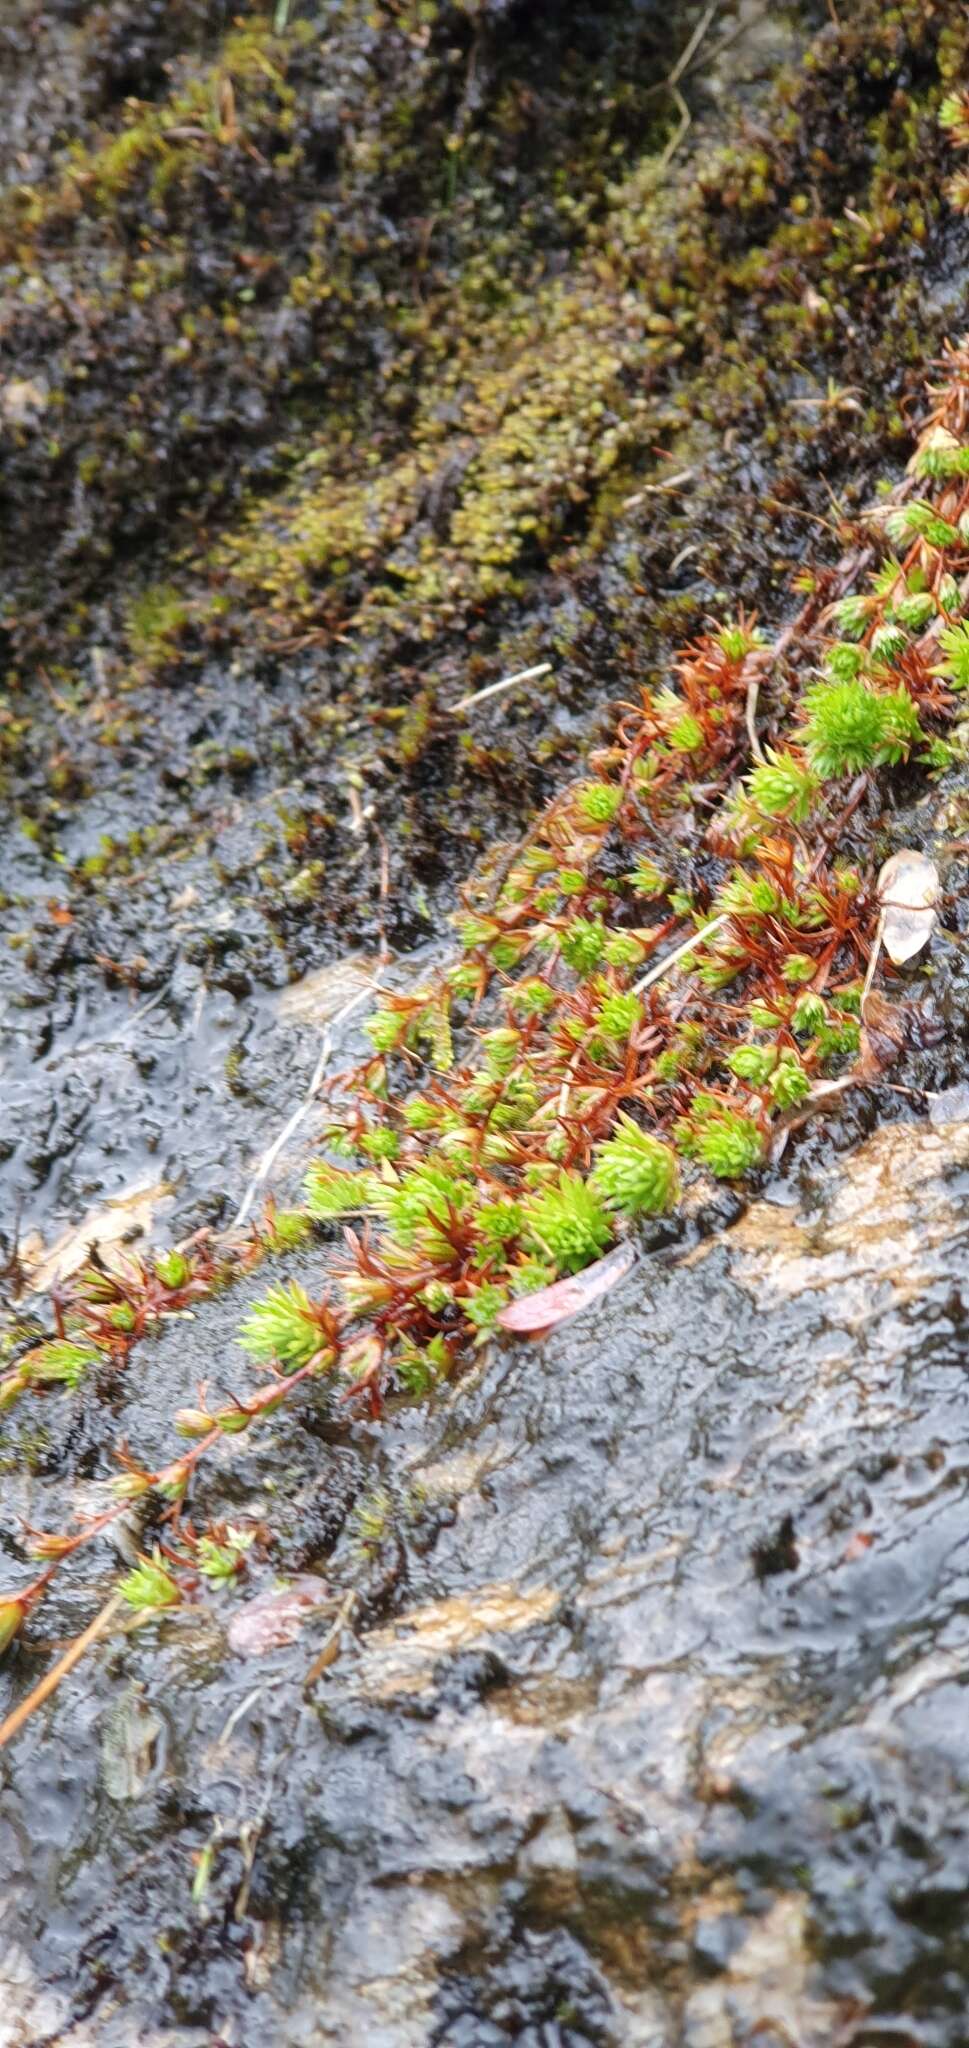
647 1723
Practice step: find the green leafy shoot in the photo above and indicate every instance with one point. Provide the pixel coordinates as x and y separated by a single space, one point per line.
150 1587
636 1173
284 1328
569 1222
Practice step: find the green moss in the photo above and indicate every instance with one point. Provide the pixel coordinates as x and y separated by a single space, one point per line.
155 620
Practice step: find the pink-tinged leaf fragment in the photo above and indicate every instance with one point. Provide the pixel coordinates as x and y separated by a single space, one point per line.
536 1313
275 1618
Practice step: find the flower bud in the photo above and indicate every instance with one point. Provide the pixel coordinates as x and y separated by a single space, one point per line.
194 1422
362 1357
12 1614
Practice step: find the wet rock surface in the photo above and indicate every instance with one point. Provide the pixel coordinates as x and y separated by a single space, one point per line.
662 1740
196 815
640 1710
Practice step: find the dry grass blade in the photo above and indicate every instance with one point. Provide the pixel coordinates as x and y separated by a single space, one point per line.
522 675
50 1682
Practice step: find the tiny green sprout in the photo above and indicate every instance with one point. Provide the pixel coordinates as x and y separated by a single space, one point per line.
150 1586
954 644
763 1016
173 1269
331 1192
838 1042
915 612
809 1015
684 1055
634 1173
851 616
483 1305
886 578
463 981
618 1014
888 643
285 1327
60 1363
948 597
686 735
845 726
954 114
789 1083
753 1063
386 1029
204 1866
647 879
598 802
223 1560
287 1229
918 519
530 1275
568 1222
194 1422
433 1029
506 952
380 1143
938 756
501 1048
623 950
571 881
750 896
500 1221
518 1104
901 730
534 998
727 1142
583 944
426 1197
843 662
419 1114
799 967
436 1296
418 1369
782 786
737 641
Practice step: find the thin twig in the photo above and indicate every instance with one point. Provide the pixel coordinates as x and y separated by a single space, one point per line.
872 964
680 952
685 123
269 1158
330 1649
522 675
669 483
688 53
750 715
49 1684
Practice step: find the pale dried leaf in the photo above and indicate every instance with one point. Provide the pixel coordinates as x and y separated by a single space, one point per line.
908 891
273 1619
536 1313
883 1036
122 1218
128 1745
319 996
